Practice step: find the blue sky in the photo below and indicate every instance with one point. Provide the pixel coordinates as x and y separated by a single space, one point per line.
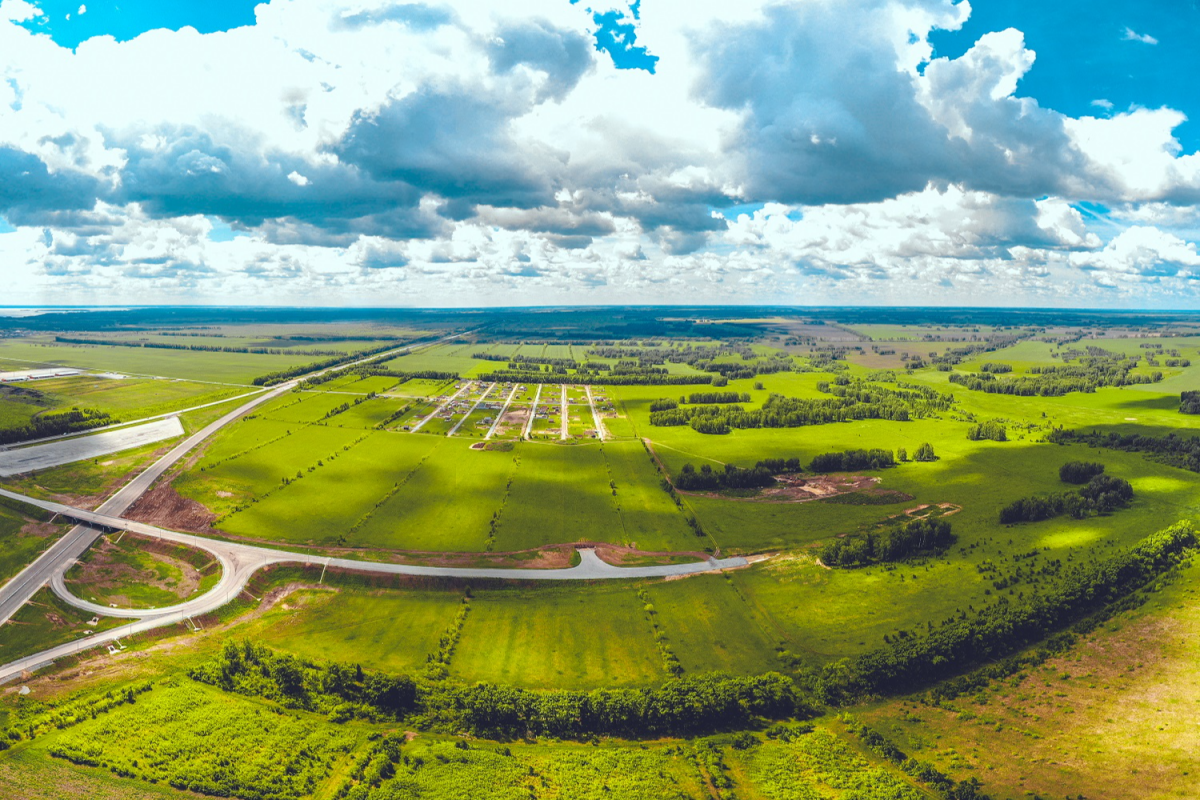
127 19
467 152
1125 52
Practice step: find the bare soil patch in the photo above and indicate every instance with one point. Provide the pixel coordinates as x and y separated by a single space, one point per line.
166 508
803 488
514 419
103 570
620 555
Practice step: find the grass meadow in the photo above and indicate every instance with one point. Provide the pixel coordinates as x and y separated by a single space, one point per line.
553 637
235 368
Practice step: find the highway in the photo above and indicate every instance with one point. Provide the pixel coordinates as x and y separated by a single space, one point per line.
59 556
240 561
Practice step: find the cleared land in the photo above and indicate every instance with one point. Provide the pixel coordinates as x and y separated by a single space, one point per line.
53 454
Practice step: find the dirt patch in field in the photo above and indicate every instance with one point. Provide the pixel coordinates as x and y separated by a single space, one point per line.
924 510
38 529
103 570
620 556
513 421
166 508
803 488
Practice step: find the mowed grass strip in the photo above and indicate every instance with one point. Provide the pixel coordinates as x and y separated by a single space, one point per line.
551 637
322 506
559 494
391 630
649 517
709 627
448 502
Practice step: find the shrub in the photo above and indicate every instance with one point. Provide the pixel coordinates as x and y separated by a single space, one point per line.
1079 472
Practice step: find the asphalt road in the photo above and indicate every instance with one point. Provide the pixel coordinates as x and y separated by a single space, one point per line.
60 555
240 561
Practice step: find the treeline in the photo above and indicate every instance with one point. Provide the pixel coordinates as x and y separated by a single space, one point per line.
1189 402
793 412
853 460
286 374
57 423
565 363
374 371
210 348
681 707
890 544
716 397
912 661
594 378
1172 450
1055 381
1101 495
760 475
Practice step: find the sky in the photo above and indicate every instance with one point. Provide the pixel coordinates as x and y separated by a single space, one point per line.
551 152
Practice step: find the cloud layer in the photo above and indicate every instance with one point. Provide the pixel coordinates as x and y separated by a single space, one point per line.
471 152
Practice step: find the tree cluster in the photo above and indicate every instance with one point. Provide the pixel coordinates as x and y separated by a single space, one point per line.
283 375
1054 381
992 429
595 379
680 707
1102 494
56 423
716 397
911 661
892 543
706 478
1173 450
853 460
1079 472
1189 402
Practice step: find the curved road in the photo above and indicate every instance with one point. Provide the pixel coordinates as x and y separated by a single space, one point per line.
75 542
240 561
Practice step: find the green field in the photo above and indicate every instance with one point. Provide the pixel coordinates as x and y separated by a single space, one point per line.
446 504
390 630
552 638
559 494
46 621
236 368
319 468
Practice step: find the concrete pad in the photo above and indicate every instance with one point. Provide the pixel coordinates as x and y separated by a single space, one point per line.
43 456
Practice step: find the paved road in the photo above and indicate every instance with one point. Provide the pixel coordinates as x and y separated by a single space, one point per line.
63 553
52 454
438 410
240 561
595 414
59 556
528 432
564 423
471 411
496 422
